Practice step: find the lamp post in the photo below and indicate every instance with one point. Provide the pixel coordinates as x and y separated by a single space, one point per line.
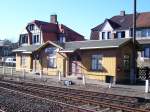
134 71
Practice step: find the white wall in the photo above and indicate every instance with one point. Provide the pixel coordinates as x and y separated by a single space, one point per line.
127 34
37 31
106 28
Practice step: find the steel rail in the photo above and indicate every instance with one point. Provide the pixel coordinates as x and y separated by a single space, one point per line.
60 103
103 103
81 91
62 93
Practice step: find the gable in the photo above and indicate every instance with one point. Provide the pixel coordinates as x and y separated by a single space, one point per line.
107 27
49 44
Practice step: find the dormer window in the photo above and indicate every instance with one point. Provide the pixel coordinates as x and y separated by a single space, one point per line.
120 34
24 38
31 27
62 39
109 35
35 39
103 35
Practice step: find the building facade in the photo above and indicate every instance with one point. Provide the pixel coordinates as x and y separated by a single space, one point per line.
38 32
99 60
121 26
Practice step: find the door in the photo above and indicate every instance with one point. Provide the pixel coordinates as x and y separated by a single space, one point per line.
75 66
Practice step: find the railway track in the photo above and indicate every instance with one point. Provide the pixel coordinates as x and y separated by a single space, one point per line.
66 107
52 91
82 98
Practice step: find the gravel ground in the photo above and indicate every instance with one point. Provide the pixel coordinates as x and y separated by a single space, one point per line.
13 102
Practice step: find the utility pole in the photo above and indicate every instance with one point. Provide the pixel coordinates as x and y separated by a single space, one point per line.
134 71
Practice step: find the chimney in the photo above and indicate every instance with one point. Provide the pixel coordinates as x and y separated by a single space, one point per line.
53 19
122 13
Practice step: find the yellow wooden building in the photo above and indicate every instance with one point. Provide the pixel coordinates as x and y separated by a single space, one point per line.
101 60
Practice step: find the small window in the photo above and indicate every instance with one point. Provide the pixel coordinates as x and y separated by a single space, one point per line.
148 32
51 53
121 34
108 35
35 39
147 52
144 33
62 39
24 38
103 35
138 33
96 62
22 60
31 27
51 62
126 62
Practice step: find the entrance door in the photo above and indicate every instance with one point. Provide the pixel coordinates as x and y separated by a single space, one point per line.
75 66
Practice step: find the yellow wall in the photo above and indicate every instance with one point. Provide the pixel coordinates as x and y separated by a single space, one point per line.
111 60
108 63
27 64
60 66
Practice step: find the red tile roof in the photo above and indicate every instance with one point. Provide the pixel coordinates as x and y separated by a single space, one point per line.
50 28
143 20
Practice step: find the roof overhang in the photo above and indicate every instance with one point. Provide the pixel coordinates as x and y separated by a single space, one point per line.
67 51
84 48
49 42
27 52
18 50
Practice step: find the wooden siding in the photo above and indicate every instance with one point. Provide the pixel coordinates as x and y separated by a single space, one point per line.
108 63
121 73
59 65
26 65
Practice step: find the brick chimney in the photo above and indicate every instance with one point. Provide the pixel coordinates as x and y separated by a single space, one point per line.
53 19
122 13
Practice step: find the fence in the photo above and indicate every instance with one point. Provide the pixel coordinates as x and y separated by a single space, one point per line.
23 74
143 73
40 75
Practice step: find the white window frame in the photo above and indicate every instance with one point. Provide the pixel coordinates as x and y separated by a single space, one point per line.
96 62
22 60
103 38
62 39
51 58
35 38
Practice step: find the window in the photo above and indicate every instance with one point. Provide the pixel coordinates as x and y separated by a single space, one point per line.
108 35
24 38
147 52
31 27
51 57
143 33
35 39
138 33
96 62
22 60
126 62
62 39
103 35
121 34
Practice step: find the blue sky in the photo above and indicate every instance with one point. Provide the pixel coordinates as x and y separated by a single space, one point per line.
80 15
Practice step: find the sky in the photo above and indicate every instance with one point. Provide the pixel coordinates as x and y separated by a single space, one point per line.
79 15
